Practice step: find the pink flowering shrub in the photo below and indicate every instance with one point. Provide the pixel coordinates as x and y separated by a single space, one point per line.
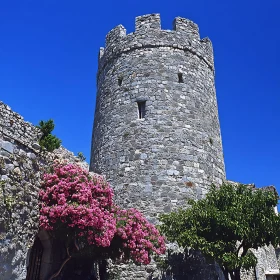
139 237
80 205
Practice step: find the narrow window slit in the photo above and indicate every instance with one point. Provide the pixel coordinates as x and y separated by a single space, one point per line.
141 109
180 78
120 80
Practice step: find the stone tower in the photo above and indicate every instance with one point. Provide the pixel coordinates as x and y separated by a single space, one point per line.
156 130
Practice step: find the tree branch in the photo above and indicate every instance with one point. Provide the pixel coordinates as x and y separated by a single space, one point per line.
63 264
76 245
240 246
225 272
245 250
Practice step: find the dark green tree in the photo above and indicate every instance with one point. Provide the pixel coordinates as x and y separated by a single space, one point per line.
225 225
48 141
81 156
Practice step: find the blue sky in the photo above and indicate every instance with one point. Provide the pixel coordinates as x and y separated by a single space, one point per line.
48 64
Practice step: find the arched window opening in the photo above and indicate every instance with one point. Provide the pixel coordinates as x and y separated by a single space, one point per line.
142 109
180 78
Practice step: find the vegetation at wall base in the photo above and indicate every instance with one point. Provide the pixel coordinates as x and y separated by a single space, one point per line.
225 225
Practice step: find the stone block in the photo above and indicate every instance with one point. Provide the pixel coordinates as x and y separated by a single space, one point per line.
8 146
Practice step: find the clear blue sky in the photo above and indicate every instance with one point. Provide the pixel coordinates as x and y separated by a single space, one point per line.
48 58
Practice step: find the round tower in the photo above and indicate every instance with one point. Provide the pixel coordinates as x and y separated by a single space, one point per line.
156 132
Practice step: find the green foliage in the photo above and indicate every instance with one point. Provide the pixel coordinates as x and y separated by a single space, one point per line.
48 141
225 225
81 156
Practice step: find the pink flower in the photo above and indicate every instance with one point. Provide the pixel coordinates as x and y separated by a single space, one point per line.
81 204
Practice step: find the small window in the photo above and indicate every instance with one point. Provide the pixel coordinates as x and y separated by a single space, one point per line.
141 109
120 80
180 78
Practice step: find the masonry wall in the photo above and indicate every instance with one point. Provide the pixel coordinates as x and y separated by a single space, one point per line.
22 164
175 152
267 262
19 184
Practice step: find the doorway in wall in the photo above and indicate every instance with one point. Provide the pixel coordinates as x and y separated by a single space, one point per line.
35 260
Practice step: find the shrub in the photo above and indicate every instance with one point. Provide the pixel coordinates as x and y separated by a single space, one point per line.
78 207
81 156
48 141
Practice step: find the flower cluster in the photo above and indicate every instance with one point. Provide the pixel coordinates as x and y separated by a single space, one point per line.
71 198
139 236
73 201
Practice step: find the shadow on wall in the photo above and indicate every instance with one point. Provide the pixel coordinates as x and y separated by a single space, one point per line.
187 265
47 255
46 261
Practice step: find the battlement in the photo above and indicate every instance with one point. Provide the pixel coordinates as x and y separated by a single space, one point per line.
115 35
148 34
146 22
186 26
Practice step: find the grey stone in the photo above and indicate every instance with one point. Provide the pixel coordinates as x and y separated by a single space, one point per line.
17 171
31 155
5 153
167 143
36 146
7 146
4 178
9 167
21 169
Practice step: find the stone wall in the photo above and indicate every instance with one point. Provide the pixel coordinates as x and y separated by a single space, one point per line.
175 152
267 262
22 164
20 181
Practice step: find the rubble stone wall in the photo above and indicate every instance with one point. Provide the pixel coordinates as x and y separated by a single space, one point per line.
175 152
22 164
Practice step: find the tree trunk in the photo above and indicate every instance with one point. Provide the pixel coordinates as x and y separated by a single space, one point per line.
237 274
225 272
63 264
103 270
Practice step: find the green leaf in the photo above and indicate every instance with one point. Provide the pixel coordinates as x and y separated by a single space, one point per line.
225 224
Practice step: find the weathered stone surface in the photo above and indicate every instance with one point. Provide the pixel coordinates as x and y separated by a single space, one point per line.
174 151
7 146
22 164
178 144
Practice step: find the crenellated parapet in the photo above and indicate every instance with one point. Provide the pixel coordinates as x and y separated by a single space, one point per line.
187 27
115 35
148 34
147 22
